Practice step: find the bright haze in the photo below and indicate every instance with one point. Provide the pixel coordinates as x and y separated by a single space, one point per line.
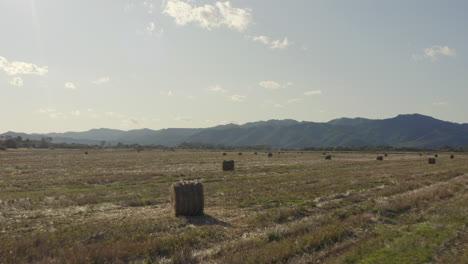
68 65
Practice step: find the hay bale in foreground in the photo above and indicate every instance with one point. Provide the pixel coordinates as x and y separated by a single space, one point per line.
328 157
379 157
228 165
187 198
432 161
270 154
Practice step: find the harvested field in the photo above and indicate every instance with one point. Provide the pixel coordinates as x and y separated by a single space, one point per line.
60 206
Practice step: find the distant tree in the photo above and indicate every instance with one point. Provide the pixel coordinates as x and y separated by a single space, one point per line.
10 143
44 143
27 143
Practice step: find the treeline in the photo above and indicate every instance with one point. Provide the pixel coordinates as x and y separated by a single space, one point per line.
387 149
209 146
19 142
8 142
46 142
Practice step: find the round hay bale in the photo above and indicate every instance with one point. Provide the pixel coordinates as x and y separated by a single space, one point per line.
420 154
228 165
432 161
270 154
452 156
240 153
386 155
328 157
255 153
187 198
224 154
379 157
86 153
436 155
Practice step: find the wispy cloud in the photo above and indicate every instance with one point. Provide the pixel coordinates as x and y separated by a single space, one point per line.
274 85
75 113
217 89
272 44
52 113
70 86
166 93
315 92
17 67
152 30
102 80
434 52
220 14
270 85
17 81
150 5
278 106
440 103
238 98
150 27
294 100
187 119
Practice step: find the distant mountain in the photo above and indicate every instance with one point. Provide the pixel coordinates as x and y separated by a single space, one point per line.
413 130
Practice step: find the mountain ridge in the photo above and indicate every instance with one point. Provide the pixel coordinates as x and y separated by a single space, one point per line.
404 130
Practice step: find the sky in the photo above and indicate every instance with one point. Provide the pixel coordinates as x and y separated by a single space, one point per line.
68 65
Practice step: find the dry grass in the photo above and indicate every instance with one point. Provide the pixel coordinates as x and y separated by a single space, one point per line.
114 207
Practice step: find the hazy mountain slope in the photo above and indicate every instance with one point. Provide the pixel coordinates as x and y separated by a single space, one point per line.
404 130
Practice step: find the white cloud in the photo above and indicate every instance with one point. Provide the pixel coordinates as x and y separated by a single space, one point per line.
294 100
270 85
17 67
46 110
168 93
17 81
152 30
434 52
183 118
102 80
440 103
272 44
217 89
150 5
238 98
150 27
220 14
75 113
316 92
52 113
278 106
274 85
70 86
278 44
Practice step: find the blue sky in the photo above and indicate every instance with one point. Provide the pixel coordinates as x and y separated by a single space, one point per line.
129 64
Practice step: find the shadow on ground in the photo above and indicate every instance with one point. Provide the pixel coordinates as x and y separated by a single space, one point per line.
206 220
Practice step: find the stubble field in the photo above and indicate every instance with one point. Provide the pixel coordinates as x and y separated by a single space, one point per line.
62 206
